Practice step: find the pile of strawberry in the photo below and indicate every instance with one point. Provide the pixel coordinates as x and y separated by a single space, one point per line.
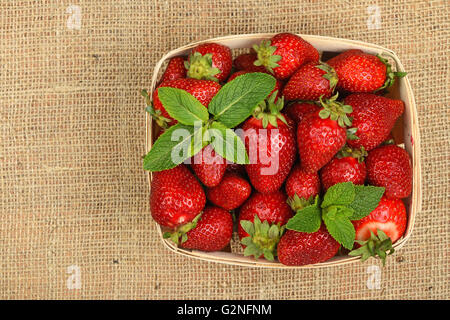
340 178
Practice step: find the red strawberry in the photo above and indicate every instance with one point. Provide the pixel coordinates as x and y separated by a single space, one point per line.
212 231
297 111
246 62
301 187
230 193
319 138
175 69
301 248
260 214
389 217
270 143
209 166
284 54
278 83
311 81
176 197
373 117
389 166
202 90
347 166
209 61
362 72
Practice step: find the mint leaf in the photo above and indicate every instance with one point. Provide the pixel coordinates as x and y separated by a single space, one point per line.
366 200
306 220
236 100
340 228
182 106
171 148
227 144
339 194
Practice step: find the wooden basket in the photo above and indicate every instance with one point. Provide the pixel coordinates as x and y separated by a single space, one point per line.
406 131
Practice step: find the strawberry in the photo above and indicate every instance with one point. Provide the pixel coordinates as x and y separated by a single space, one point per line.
230 193
270 143
202 90
347 166
301 187
176 197
376 232
212 231
311 81
362 72
261 223
209 166
297 110
175 69
389 166
373 117
278 84
209 61
246 62
321 134
284 54
301 248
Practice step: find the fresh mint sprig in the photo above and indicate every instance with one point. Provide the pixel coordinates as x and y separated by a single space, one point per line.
341 204
233 104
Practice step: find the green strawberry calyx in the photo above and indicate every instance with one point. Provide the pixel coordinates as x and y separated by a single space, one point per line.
330 74
296 203
263 238
269 111
201 67
335 110
265 53
390 75
377 245
347 151
162 121
180 233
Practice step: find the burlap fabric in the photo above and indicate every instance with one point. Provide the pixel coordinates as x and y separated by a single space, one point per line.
74 215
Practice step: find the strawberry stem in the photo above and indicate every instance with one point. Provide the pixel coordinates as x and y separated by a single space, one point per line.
265 53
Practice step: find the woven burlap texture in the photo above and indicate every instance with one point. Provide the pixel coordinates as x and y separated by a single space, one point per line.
74 214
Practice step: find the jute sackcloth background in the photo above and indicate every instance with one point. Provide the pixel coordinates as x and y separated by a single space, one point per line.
74 215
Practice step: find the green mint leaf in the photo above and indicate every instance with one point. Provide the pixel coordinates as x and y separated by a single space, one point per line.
227 144
182 106
307 219
366 200
237 99
340 228
339 194
171 148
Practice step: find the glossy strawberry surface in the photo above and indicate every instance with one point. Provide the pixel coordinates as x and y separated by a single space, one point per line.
245 62
389 216
213 231
209 166
358 71
175 69
231 192
176 197
304 184
272 153
301 248
318 140
390 167
221 58
346 169
308 83
270 207
374 117
298 110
